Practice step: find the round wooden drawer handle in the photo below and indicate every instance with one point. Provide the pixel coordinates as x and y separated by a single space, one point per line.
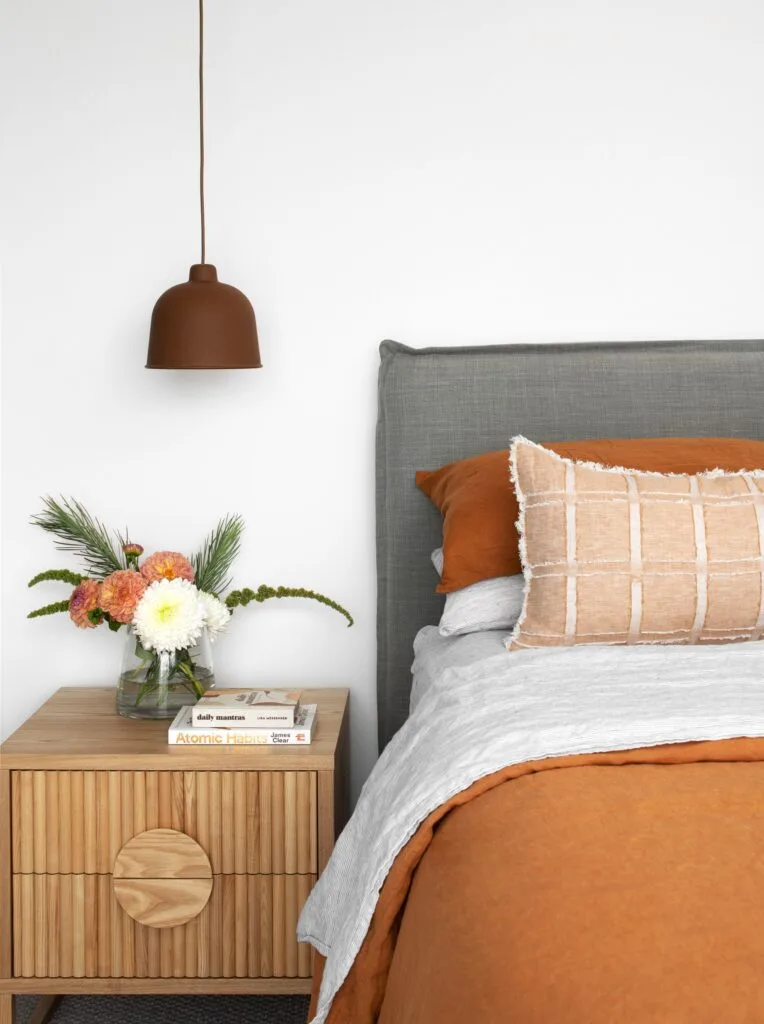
162 878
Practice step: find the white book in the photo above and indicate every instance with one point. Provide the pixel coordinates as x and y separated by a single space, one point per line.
247 709
184 733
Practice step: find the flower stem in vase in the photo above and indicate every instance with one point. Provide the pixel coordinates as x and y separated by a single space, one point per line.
187 667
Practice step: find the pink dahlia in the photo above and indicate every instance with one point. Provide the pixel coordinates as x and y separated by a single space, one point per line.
121 592
86 597
167 565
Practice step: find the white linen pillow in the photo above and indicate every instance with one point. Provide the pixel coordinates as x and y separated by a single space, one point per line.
490 604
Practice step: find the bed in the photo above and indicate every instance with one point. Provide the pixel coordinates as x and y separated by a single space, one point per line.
587 844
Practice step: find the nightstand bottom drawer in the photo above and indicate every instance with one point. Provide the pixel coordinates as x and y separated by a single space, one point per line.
71 926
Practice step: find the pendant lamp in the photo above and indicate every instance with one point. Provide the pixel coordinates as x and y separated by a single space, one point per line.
203 324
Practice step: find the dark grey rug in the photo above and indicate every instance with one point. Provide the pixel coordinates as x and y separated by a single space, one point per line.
183 1009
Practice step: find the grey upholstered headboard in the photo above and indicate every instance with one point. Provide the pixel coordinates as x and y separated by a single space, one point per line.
441 404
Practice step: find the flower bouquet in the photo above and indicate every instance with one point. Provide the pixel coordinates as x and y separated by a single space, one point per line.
172 606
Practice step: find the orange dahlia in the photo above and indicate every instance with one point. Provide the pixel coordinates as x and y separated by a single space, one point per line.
121 592
86 597
167 565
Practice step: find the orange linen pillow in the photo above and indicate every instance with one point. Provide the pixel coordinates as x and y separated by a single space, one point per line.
480 510
617 556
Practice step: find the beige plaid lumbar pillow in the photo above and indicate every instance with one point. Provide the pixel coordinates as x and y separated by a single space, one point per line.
618 556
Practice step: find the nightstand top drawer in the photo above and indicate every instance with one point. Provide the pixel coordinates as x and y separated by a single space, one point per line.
79 822
78 728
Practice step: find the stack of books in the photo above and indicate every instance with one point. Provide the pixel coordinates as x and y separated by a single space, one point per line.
244 717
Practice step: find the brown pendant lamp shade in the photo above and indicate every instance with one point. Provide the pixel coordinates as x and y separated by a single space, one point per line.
203 324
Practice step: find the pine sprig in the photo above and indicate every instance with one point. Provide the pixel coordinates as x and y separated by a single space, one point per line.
218 552
81 534
49 609
265 593
61 575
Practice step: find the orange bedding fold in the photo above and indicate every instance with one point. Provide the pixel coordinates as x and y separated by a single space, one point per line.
579 896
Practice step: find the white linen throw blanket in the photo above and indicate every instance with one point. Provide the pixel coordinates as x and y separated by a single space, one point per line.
507 709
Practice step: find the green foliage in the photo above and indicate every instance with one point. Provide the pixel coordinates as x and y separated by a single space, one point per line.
62 575
265 593
79 533
213 562
49 609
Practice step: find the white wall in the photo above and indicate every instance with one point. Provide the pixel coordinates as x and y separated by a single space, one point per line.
435 172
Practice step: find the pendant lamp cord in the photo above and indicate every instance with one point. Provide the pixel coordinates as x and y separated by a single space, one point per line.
201 125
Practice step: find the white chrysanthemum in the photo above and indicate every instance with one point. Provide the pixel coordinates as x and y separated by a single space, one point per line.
169 616
216 615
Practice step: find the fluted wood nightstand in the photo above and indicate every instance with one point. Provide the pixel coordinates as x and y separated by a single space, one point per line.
128 866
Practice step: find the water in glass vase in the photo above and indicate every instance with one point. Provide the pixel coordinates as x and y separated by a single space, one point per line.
155 684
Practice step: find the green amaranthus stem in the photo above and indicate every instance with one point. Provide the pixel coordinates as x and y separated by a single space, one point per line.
49 609
265 593
61 575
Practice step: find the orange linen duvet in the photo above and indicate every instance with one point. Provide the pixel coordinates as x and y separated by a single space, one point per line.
620 888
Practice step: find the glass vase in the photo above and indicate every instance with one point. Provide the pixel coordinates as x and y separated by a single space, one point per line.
155 684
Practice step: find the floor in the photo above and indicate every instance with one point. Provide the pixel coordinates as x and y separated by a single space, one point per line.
185 1009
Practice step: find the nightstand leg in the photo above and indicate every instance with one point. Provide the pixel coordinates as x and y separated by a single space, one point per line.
42 1012
44 1009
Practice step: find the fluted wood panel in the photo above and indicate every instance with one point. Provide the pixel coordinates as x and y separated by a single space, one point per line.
76 822
103 926
64 813
90 822
40 926
241 926
278 822
103 851
53 896
16 960
291 826
65 918
240 817
215 813
177 808
77 925
259 830
25 898
263 901
139 802
71 926
52 844
253 822
290 927
91 925
152 799
22 803
227 851
304 952
40 831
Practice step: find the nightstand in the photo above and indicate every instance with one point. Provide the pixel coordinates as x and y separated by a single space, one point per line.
128 866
